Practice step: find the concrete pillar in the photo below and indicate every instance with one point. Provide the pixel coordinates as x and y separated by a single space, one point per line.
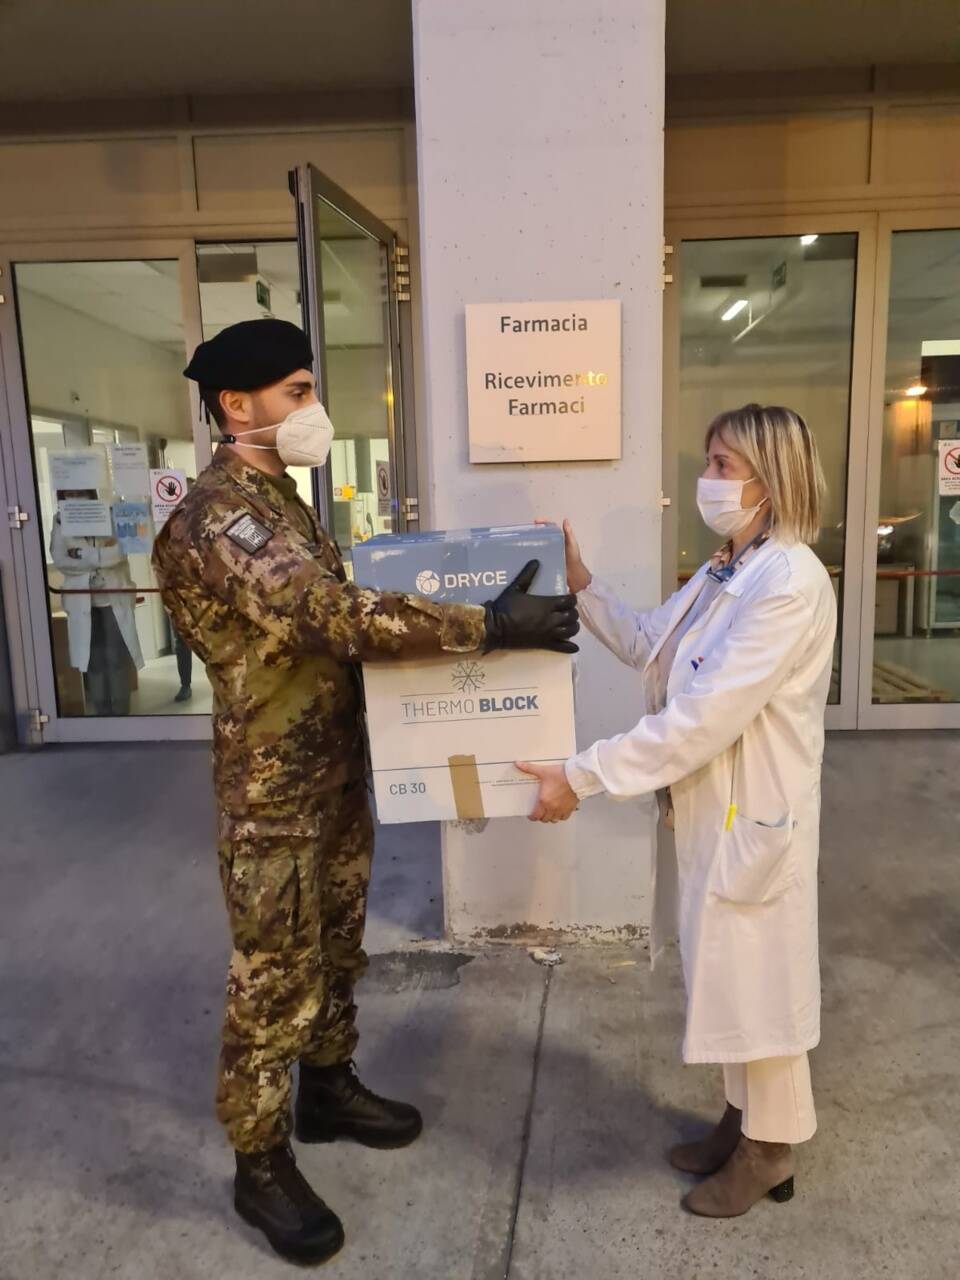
540 157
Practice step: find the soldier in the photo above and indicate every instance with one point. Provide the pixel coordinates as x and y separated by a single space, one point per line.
257 589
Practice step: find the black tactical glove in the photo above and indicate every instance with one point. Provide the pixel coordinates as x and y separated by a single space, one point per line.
516 620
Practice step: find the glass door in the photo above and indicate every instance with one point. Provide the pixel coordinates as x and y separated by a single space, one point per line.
103 435
770 312
351 287
911 618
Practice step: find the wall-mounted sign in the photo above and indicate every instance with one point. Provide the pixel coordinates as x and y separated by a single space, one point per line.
543 381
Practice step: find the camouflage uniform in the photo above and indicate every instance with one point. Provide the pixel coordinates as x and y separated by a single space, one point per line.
258 591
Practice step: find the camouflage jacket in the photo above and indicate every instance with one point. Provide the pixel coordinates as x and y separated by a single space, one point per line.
257 589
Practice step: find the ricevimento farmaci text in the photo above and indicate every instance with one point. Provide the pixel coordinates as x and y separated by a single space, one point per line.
499 381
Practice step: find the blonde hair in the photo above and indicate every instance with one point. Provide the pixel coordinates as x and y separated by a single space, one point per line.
780 447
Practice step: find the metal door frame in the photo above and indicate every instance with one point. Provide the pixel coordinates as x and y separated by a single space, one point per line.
28 621
13 566
919 715
308 185
844 714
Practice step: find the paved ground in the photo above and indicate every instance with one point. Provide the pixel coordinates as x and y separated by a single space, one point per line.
549 1096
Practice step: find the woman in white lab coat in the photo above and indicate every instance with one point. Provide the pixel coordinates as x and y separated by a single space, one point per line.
101 627
736 670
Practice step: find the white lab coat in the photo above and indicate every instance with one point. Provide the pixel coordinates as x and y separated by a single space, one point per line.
97 566
738 720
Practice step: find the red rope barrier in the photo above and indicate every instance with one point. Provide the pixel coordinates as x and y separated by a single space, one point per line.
103 591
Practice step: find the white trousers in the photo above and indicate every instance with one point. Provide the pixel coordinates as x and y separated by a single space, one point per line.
775 1096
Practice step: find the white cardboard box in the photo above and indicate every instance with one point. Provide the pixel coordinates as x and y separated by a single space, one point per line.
445 732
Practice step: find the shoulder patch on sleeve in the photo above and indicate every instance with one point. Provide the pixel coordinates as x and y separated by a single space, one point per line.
248 533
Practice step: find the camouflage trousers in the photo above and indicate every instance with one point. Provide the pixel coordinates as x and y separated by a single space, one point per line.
295 884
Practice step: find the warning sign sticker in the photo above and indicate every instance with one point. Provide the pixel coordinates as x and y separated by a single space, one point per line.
949 474
167 487
383 489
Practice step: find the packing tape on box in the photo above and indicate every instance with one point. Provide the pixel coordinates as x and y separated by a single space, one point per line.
466 786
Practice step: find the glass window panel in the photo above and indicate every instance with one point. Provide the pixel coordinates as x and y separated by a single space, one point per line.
769 320
353 270
103 354
917 619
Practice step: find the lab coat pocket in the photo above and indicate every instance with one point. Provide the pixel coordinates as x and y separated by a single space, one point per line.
754 864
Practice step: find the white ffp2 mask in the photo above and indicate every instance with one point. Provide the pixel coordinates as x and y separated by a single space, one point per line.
304 437
719 505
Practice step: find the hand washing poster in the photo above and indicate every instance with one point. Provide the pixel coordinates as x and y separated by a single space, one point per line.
131 523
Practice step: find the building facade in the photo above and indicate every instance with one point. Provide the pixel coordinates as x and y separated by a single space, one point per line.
787 236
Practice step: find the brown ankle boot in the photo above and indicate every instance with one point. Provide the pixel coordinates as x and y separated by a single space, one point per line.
755 1169
712 1152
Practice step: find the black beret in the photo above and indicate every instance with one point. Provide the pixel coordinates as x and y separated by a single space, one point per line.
250 355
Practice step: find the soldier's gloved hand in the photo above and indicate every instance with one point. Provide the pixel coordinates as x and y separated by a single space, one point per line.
516 620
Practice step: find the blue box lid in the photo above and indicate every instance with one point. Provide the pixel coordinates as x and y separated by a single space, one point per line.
468 566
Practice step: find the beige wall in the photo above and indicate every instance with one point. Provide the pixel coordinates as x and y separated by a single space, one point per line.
723 153
766 146
190 180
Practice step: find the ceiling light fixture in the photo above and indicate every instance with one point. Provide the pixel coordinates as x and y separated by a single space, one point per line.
806 241
918 389
735 308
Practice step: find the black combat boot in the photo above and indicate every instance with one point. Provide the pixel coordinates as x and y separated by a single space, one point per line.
271 1193
332 1103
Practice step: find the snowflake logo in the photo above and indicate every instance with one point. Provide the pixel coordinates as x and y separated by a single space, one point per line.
468 677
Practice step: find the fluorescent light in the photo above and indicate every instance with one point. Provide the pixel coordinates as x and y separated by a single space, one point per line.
808 240
918 389
735 308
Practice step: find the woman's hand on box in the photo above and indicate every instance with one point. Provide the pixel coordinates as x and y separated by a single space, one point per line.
579 576
556 799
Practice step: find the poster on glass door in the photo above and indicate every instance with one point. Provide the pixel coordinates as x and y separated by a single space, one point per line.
76 478
167 487
77 469
129 465
949 472
131 522
85 518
